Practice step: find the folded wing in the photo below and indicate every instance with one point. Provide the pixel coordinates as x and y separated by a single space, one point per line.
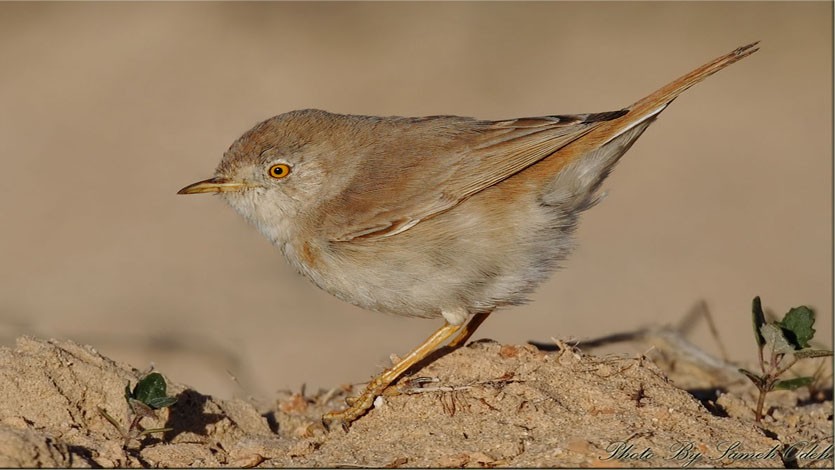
448 160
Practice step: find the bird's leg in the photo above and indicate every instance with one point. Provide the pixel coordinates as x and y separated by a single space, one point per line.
360 405
364 402
468 330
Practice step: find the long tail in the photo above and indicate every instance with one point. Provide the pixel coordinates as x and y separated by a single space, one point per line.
582 165
668 93
653 104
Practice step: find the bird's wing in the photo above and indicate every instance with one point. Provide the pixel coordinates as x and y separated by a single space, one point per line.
444 160
450 159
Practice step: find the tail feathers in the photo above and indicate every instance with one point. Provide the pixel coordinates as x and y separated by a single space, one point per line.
591 158
650 106
666 94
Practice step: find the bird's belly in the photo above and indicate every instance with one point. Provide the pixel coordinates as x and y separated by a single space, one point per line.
470 257
393 280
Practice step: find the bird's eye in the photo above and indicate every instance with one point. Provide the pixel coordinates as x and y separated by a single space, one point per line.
279 170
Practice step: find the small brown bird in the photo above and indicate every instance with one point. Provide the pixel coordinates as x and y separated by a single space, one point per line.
436 217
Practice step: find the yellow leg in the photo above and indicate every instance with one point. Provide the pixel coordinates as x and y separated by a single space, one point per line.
364 402
361 404
468 330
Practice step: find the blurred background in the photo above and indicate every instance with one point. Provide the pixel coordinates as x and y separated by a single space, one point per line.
108 109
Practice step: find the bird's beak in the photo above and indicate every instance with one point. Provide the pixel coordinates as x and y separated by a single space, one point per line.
218 184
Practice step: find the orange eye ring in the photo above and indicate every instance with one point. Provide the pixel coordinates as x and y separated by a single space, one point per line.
279 170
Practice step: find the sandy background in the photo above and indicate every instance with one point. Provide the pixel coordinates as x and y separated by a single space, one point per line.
108 109
489 405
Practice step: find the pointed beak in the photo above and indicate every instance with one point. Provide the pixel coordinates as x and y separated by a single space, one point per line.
218 184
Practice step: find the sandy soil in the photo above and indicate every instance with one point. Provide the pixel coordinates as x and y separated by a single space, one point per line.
109 108
485 405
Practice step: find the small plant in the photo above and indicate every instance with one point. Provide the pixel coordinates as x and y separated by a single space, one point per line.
148 396
781 344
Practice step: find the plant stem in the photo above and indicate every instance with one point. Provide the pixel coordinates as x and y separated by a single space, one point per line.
760 402
787 367
113 422
762 363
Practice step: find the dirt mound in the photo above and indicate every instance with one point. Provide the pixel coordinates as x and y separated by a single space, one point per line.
481 406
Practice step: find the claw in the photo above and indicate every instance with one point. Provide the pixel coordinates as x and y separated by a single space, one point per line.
331 419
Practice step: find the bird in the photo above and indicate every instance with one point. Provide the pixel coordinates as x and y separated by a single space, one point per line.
442 217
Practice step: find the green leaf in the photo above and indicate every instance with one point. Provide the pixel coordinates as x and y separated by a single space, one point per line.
791 384
759 321
798 323
128 394
162 402
758 381
775 339
807 353
150 389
